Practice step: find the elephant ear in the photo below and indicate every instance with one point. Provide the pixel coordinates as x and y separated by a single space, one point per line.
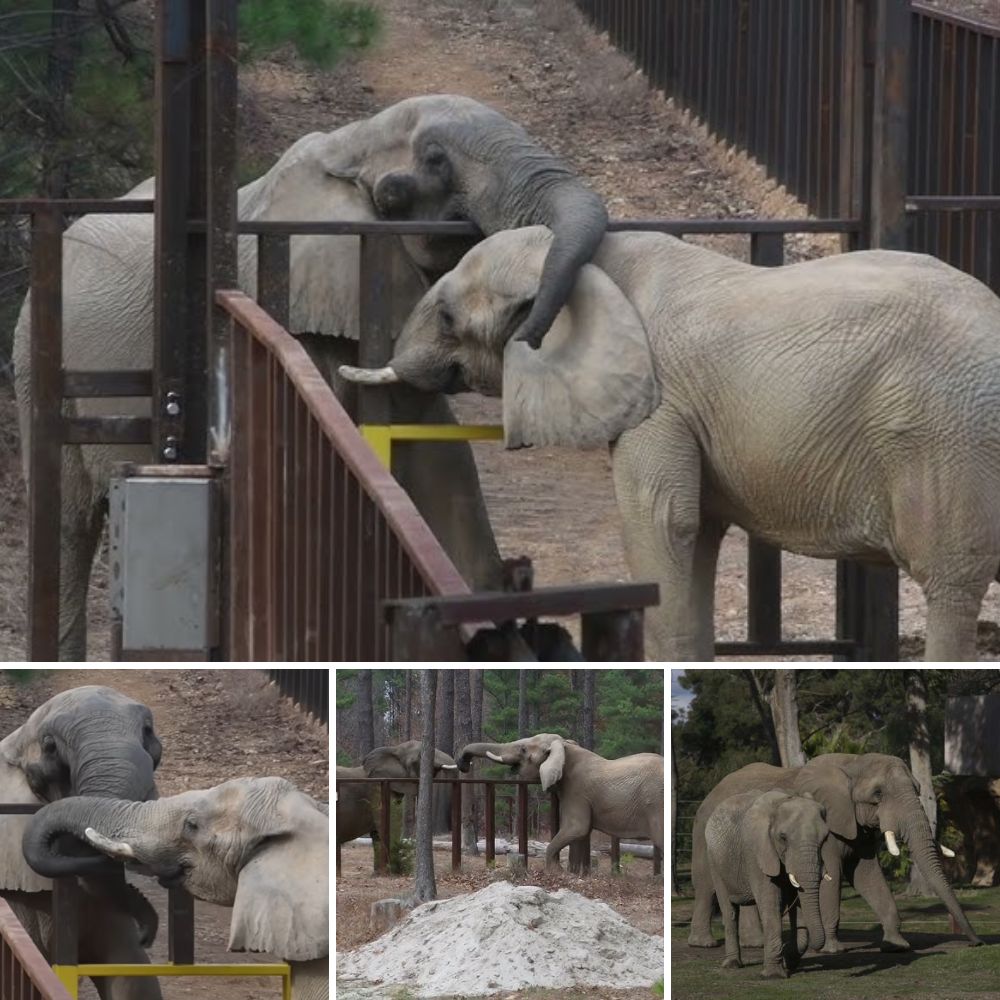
593 376
282 895
15 873
551 768
758 831
831 786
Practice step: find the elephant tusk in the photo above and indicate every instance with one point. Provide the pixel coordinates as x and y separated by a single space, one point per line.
116 848
827 877
449 767
369 376
493 756
890 842
792 879
947 851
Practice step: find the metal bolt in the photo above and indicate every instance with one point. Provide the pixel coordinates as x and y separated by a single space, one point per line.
170 449
173 404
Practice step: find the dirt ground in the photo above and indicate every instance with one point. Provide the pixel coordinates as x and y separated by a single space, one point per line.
637 896
543 66
214 725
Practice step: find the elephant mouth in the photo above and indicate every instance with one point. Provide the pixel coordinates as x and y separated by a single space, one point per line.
172 878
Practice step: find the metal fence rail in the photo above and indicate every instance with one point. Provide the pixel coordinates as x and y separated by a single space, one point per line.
24 972
319 532
309 689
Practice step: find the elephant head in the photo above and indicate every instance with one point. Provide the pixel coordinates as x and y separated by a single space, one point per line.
403 761
535 758
878 791
258 845
87 741
444 157
789 830
592 379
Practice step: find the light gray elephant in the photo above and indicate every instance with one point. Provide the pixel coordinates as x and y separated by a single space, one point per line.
842 407
358 805
90 741
622 798
866 796
258 845
439 157
764 848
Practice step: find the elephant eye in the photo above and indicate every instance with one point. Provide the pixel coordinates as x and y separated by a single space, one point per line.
434 157
190 825
447 322
782 837
48 744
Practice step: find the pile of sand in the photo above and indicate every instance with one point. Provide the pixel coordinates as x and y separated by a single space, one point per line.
504 937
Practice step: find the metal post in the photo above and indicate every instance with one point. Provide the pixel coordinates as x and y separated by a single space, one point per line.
616 855
45 453
180 927
610 636
522 821
456 826
65 922
385 829
491 830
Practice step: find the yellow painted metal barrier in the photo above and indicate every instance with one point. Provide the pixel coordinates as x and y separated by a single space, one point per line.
70 975
382 436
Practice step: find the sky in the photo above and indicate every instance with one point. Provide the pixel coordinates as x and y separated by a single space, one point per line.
679 698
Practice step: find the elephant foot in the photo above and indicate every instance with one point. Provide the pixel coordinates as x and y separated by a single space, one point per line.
893 942
774 972
732 963
833 946
700 940
976 942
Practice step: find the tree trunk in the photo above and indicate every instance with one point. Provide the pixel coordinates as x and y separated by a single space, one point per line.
522 704
576 686
785 712
408 709
674 782
920 765
425 887
758 697
589 707
445 713
64 55
366 727
476 698
463 735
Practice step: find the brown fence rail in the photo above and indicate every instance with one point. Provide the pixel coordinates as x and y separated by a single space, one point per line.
309 689
319 532
24 972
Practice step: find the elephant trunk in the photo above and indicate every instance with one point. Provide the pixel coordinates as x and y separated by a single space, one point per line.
51 853
916 831
112 767
470 750
805 867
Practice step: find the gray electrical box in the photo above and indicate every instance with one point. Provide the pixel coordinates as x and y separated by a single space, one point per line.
164 559
971 725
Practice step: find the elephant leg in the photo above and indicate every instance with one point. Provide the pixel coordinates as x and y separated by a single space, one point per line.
730 924
657 477
768 898
706 559
82 523
751 931
574 823
952 614
111 938
870 881
700 935
829 897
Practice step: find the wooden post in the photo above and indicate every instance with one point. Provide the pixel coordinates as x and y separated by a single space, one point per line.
616 856
522 821
180 927
385 829
456 826
491 804
611 636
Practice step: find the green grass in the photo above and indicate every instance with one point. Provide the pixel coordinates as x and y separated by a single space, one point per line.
940 965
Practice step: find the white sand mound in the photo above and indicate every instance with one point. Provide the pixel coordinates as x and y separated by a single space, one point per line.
505 937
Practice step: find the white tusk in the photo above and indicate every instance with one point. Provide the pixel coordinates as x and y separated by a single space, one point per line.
369 376
116 848
827 877
493 756
791 878
449 767
890 842
947 851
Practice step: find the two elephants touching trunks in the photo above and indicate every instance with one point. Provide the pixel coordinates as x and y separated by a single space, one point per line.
438 157
863 799
258 845
622 798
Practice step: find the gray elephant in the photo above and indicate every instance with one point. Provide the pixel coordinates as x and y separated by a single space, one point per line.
622 798
358 805
258 845
841 407
764 848
90 741
866 797
436 157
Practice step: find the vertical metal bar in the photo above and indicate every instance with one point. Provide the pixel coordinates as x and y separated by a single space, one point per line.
65 922
180 927
259 491
273 275
616 855
522 822
490 834
45 446
456 826
612 636
239 502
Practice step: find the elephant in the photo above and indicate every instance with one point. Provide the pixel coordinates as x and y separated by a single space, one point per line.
357 805
622 798
437 157
843 407
764 848
866 796
258 845
91 741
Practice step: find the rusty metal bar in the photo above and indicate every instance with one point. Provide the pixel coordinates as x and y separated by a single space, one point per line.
45 444
77 385
21 963
77 206
240 499
522 822
490 834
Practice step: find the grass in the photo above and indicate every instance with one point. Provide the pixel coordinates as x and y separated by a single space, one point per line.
940 965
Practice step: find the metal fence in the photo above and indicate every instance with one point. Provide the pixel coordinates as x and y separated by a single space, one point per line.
309 689
24 972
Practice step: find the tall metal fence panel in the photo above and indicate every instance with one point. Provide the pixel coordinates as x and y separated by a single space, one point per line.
24 972
309 689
